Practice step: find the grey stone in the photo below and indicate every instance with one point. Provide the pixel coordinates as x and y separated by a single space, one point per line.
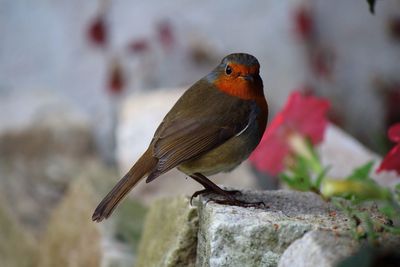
17 247
170 234
51 179
211 234
318 248
343 153
237 236
71 238
39 159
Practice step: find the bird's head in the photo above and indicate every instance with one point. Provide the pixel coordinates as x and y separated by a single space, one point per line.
238 75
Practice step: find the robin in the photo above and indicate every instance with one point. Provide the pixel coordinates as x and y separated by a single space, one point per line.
212 128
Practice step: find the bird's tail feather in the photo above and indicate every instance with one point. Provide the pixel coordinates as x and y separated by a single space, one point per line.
142 167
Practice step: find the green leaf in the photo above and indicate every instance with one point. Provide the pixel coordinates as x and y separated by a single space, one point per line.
301 168
388 210
355 190
291 181
296 182
396 193
361 173
286 178
397 187
392 229
321 177
314 163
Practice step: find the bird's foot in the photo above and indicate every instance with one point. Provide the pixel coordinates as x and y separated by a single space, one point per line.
200 192
227 193
236 202
233 192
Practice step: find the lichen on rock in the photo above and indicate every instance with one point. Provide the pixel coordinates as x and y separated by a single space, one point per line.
71 238
170 234
237 236
17 247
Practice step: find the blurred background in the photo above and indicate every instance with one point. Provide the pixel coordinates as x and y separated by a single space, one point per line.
84 84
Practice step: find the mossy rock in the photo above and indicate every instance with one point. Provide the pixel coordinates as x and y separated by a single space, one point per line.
17 248
170 234
129 222
71 238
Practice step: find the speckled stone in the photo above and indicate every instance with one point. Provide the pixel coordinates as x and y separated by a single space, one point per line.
318 248
237 236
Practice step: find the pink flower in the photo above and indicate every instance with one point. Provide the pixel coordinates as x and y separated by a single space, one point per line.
97 31
392 160
116 80
302 115
166 35
139 46
304 23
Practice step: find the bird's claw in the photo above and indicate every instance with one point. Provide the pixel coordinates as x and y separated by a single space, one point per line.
197 193
239 203
228 194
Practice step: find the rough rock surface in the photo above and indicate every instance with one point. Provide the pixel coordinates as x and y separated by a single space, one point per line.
236 236
343 153
37 162
211 234
318 248
71 238
170 234
17 248
51 179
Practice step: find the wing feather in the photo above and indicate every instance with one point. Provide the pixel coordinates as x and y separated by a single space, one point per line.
188 136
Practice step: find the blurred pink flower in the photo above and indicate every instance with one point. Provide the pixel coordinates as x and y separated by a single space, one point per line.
303 23
139 46
97 32
116 80
303 116
166 35
391 162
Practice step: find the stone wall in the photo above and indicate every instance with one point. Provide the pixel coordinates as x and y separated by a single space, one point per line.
292 229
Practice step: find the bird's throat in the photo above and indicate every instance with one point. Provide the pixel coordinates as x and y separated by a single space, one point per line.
238 87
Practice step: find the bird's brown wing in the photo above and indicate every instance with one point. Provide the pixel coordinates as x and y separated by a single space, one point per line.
188 136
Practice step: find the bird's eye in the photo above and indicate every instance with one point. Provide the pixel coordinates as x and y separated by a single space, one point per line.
228 70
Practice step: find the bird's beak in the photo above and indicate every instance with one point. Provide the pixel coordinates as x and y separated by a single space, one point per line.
248 78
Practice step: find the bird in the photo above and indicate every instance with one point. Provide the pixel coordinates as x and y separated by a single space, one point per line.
213 127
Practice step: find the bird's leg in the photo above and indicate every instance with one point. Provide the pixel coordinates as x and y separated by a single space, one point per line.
211 187
240 203
209 190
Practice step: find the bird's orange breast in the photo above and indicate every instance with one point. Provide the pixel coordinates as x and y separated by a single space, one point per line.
237 87
244 90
